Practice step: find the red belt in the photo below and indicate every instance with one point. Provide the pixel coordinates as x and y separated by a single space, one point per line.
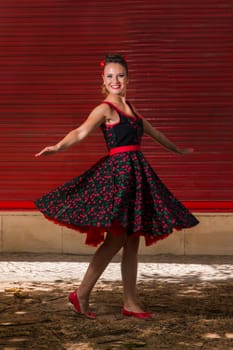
124 149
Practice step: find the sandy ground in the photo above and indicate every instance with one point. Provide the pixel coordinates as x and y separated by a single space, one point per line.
191 298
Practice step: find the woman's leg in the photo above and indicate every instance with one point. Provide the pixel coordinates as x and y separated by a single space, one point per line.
99 262
129 267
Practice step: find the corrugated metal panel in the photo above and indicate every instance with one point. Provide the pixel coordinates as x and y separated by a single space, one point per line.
181 79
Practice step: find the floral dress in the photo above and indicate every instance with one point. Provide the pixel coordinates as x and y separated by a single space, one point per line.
119 194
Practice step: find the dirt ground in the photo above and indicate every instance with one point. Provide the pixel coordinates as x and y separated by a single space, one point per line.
190 315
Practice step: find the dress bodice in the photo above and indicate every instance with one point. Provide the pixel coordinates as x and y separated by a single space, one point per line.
127 131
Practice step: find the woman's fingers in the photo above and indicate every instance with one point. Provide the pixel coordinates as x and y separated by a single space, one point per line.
187 150
46 151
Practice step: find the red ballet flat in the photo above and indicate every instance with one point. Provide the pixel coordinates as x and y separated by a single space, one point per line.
73 298
142 315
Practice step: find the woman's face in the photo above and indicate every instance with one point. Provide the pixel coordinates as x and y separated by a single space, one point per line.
115 78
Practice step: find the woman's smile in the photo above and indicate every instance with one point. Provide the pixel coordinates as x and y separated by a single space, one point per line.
115 78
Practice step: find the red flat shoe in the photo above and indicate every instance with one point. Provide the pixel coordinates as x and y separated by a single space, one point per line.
143 315
73 298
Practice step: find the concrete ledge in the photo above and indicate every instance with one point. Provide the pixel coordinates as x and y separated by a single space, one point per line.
31 232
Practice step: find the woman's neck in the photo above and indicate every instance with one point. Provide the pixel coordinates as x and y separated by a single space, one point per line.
116 99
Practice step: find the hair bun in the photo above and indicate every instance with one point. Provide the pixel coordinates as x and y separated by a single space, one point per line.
114 58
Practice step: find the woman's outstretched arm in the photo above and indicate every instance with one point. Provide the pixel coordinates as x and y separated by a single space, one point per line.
95 119
163 140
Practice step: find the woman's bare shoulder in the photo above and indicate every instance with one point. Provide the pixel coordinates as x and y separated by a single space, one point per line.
102 108
134 109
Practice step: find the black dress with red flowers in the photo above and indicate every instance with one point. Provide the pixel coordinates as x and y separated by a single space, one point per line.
121 193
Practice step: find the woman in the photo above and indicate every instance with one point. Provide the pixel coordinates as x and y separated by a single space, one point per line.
120 198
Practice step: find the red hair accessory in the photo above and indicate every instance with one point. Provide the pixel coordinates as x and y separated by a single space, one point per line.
102 63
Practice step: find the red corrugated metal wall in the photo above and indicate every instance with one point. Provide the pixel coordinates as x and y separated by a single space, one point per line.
181 78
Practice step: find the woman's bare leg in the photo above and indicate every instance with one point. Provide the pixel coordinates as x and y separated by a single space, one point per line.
99 262
129 267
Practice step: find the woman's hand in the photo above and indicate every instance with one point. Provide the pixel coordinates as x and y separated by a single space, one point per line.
184 151
47 151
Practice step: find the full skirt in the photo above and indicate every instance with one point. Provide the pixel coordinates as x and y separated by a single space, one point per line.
119 194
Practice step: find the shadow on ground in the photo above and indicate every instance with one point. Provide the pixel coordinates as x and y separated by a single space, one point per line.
187 316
